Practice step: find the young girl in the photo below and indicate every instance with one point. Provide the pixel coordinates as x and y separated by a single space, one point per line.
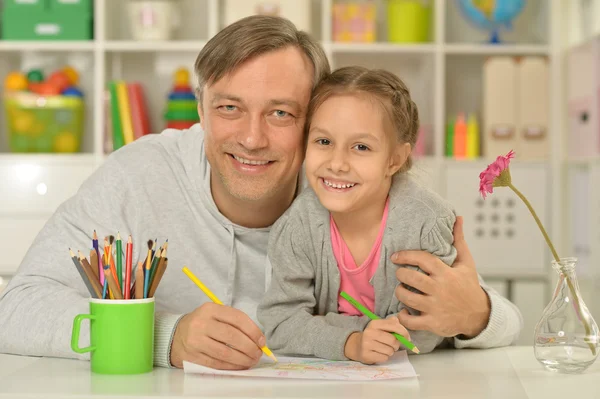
339 234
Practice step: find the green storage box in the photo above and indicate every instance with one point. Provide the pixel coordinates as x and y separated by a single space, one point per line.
45 25
81 7
26 5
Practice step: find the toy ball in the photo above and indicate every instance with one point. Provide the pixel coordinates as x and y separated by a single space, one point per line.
45 89
15 81
72 91
182 77
72 74
60 80
35 75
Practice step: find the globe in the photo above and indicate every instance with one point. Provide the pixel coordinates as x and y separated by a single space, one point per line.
491 15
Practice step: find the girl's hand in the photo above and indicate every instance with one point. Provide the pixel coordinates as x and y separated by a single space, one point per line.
376 343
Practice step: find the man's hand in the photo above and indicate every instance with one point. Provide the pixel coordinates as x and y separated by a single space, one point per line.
219 337
375 344
453 302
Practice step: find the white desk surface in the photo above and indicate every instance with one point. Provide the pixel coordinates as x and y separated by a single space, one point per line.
500 373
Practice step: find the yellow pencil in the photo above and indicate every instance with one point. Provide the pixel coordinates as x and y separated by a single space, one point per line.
216 300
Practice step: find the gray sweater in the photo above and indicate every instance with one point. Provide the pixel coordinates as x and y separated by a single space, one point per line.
156 187
299 311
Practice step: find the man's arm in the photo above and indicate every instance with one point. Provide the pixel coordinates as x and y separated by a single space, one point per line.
39 304
458 303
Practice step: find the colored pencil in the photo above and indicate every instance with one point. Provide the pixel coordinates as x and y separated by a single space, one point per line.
147 268
155 263
81 272
94 263
128 260
216 300
162 267
119 255
139 281
105 264
112 283
409 345
100 268
111 263
87 268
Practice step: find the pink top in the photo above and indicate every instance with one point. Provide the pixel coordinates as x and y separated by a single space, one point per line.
353 279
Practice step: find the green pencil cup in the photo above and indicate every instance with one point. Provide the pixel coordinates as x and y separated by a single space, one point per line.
121 335
409 21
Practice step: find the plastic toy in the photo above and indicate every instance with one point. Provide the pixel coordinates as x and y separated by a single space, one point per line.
72 75
35 75
72 92
181 112
15 81
60 80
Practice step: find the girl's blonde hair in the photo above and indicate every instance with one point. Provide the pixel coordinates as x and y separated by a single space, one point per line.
391 93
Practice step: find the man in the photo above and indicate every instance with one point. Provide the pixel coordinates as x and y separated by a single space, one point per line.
214 190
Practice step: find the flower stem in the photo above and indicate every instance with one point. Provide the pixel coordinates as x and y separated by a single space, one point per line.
537 220
555 255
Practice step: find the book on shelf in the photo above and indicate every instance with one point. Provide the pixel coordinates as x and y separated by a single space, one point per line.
126 115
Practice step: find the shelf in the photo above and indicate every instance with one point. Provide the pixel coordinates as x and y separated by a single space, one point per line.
489 160
592 160
141 46
491 49
76 45
381 48
47 157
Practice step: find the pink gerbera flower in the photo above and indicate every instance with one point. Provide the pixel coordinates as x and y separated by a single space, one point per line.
497 174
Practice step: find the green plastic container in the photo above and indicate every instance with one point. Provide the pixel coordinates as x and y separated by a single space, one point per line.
409 21
45 25
81 7
25 5
48 124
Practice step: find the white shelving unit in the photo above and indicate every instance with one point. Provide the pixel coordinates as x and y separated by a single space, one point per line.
444 75
582 173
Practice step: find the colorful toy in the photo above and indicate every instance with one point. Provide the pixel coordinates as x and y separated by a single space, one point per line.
35 75
72 75
15 81
72 92
182 77
181 112
44 115
60 80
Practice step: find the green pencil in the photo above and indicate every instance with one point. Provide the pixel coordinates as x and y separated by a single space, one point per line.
119 261
409 345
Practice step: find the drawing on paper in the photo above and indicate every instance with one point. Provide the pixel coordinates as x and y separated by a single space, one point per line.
318 369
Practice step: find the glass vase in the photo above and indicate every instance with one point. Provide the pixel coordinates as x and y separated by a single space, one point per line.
566 337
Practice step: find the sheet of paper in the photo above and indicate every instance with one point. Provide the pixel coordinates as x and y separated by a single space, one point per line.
317 369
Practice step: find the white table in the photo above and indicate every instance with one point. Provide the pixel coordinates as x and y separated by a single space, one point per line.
496 373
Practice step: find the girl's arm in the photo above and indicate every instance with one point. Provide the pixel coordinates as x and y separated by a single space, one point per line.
287 312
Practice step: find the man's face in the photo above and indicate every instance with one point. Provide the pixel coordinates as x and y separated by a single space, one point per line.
253 120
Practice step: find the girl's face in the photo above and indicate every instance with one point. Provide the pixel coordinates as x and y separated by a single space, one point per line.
350 158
